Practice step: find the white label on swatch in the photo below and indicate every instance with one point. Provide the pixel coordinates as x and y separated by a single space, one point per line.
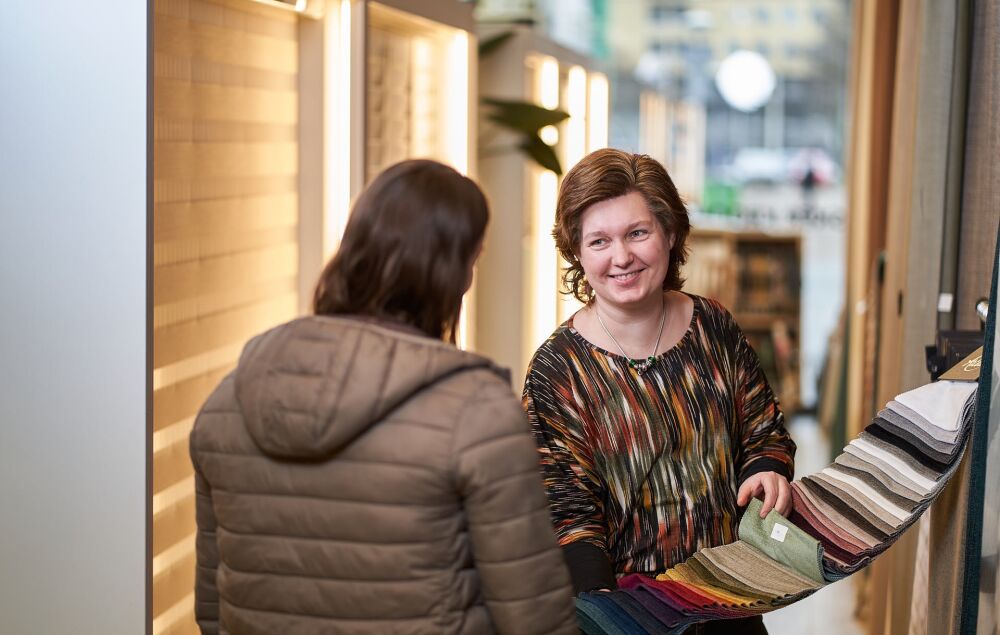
778 532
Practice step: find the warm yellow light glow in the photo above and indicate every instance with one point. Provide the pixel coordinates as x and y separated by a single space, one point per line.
575 136
182 610
549 134
463 336
597 135
299 6
456 128
456 135
337 126
423 102
547 90
546 267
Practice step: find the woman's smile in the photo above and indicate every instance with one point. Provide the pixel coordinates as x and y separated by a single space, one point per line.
627 277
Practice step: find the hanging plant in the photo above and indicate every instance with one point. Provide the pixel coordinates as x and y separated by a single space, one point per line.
522 118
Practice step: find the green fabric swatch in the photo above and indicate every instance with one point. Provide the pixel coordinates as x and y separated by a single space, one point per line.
778 538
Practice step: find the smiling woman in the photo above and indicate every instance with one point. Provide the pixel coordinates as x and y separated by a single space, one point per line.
624 249
648 452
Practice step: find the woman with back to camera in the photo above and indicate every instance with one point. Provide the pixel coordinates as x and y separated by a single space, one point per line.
653 419
357 473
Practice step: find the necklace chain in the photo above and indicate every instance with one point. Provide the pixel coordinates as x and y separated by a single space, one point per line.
639 366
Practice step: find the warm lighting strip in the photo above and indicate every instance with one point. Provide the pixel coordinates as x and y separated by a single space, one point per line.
597 134
574 148
547 88
456 125
299 6
575 142
546 270
337 127
422 97
547 94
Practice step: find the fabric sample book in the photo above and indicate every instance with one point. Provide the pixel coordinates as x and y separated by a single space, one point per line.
842 517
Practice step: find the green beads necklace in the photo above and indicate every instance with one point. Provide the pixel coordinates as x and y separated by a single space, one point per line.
640 366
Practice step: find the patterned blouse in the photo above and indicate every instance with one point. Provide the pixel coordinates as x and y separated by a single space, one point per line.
645 468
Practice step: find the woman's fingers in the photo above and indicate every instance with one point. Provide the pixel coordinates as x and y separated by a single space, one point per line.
749 489
770 492
772 487
784 504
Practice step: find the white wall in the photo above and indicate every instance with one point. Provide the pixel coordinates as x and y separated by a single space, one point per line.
73 318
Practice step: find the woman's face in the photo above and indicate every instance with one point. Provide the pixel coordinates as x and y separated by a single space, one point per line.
623 250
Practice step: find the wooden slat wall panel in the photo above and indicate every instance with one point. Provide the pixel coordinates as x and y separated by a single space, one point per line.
189 219
214 275
181 400
225 230
172 344
173 524
172 191
251 292
173 584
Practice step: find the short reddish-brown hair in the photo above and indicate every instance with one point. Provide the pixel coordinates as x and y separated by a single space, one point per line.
606 174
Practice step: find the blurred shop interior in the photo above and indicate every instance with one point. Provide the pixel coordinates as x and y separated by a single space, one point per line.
834 156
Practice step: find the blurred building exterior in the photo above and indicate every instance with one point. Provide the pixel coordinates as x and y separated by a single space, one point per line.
676 46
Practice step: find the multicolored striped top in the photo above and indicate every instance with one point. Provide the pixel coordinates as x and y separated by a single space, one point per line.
646 468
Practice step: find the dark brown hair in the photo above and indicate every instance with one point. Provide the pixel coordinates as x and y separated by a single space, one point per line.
407 249
607 174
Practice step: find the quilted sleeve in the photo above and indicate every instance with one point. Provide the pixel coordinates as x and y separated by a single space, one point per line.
206 594
524 580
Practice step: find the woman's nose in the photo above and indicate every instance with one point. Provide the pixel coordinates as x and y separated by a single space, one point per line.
621 255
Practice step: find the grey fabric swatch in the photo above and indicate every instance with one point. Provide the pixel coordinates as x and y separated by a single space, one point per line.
854 501
877 480
862 454
903 456
899 420
883 508
847 524
939 433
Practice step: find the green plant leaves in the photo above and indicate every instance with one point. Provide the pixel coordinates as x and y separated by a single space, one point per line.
489 45
542 153
523 116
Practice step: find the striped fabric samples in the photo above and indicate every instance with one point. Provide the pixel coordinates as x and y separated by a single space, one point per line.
842 517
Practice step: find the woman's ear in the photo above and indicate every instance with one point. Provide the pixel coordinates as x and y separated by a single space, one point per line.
671 239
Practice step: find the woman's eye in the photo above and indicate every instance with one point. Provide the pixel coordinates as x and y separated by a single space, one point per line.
638 232
598 242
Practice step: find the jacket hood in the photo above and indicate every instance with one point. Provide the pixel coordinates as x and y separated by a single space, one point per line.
313 385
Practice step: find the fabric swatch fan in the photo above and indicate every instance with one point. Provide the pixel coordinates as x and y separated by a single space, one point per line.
842 517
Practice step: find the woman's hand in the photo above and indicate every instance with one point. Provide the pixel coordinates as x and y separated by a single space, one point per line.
777 494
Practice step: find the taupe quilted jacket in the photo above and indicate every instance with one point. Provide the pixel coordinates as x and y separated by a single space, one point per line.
357 479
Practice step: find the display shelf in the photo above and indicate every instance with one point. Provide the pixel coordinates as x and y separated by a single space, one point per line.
758 278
